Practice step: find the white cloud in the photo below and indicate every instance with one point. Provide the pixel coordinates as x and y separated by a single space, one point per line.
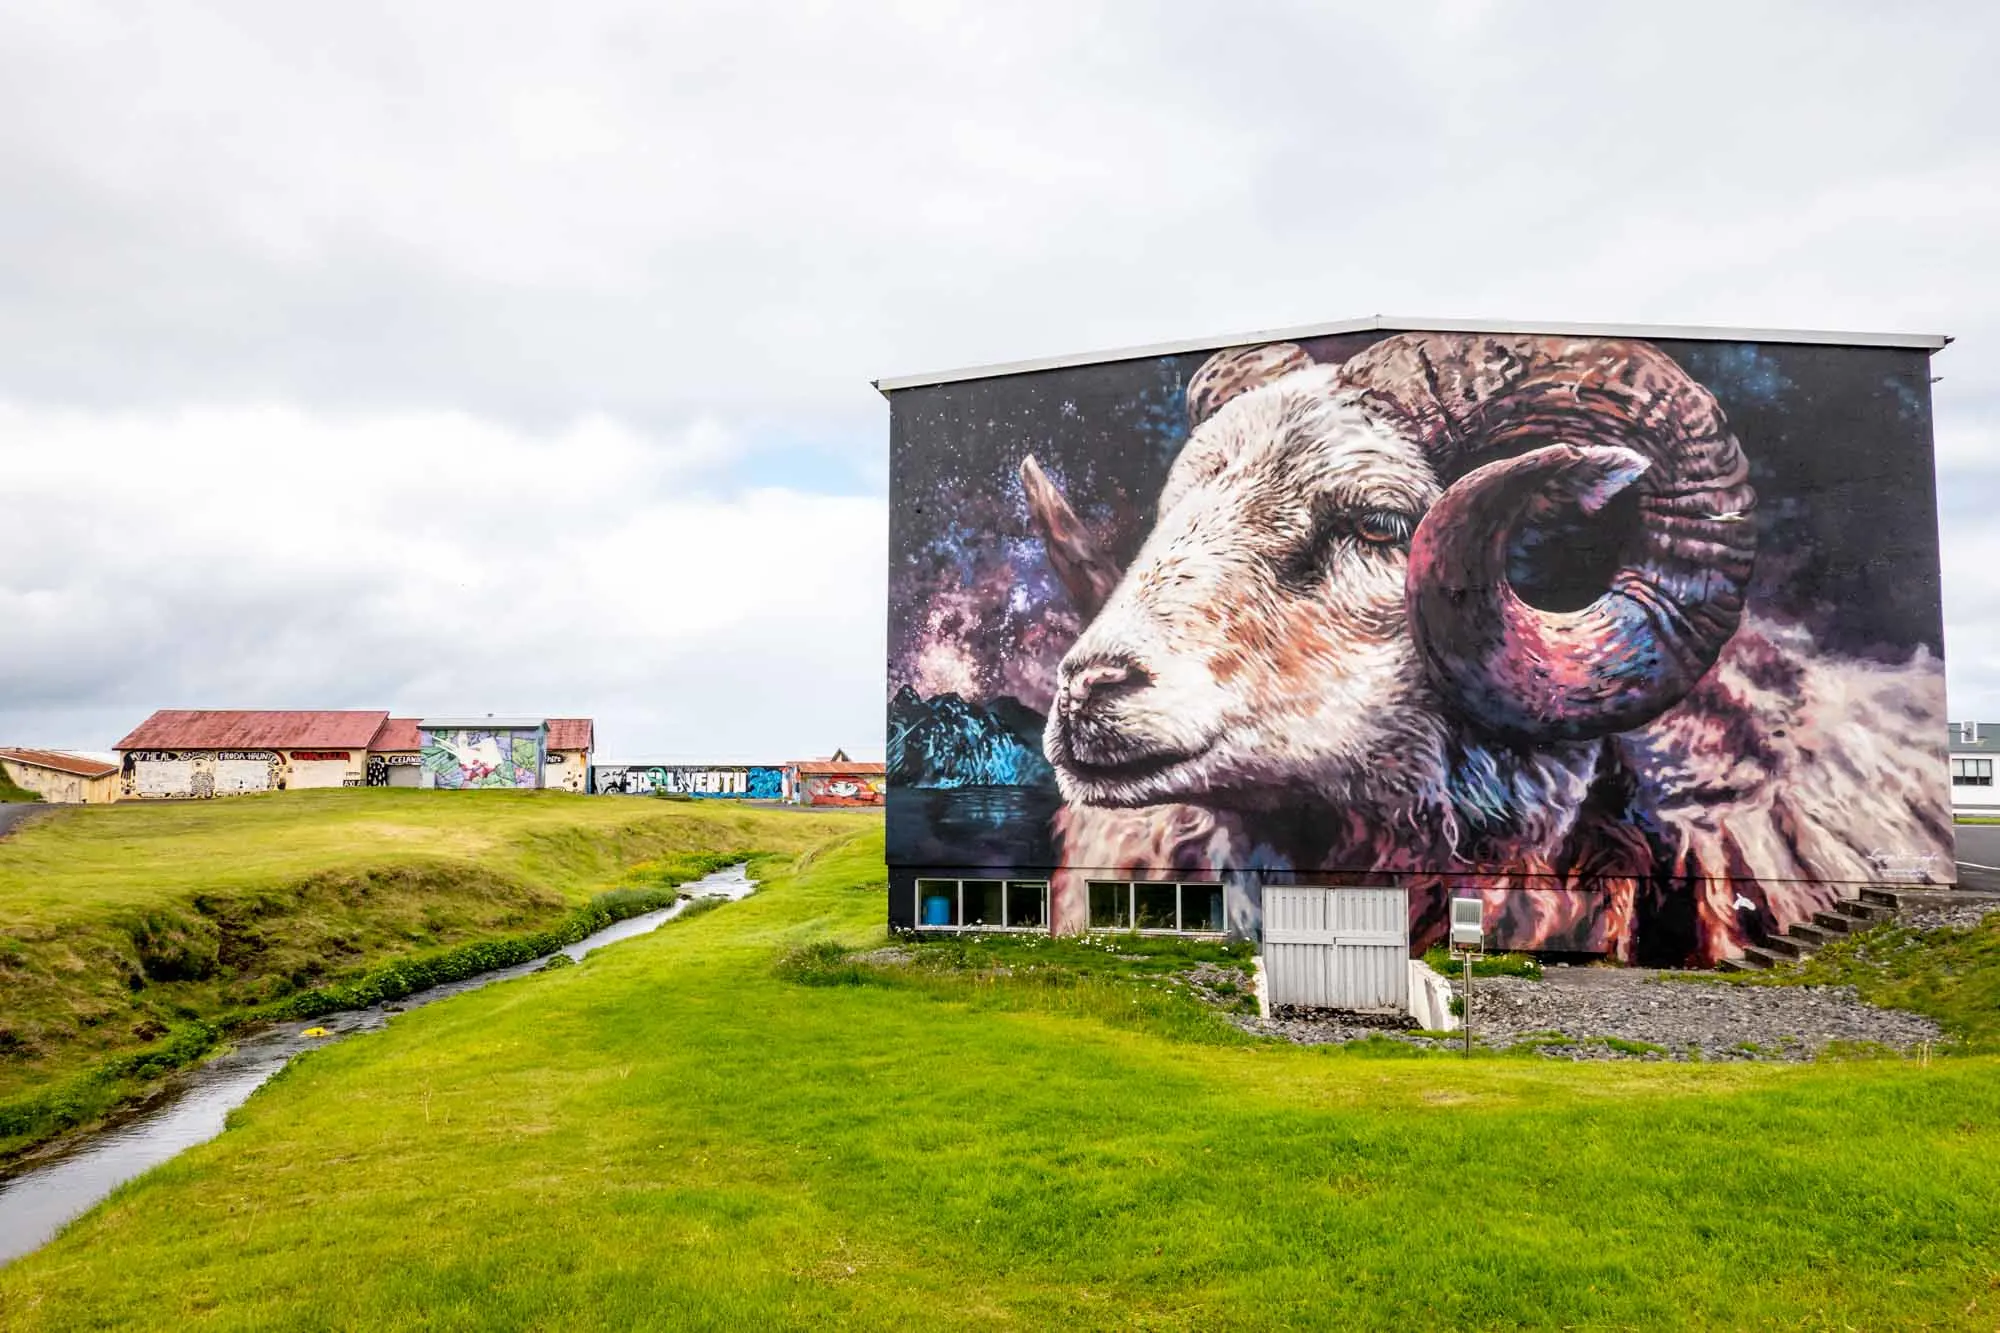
401 325
433 561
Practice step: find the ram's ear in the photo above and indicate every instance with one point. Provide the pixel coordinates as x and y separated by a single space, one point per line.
1085 570
1239 370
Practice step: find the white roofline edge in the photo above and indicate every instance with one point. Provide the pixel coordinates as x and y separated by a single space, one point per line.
1408 324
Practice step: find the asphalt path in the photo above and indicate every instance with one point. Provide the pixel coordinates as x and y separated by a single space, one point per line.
13 812
1979 856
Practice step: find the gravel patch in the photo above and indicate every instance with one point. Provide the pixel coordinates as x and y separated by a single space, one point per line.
1604 1013
892 956
1958 917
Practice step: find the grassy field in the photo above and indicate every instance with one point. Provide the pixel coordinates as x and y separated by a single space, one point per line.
130 933
682 1132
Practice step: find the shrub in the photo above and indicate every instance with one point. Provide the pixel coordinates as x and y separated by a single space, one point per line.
173 947
821 963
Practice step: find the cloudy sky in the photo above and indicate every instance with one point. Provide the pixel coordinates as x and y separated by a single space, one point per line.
506 358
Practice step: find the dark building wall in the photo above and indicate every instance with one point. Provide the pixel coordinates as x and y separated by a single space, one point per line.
1263 701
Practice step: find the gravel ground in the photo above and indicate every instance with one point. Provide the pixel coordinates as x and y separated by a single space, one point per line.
1934 918
1932 909
1603 1013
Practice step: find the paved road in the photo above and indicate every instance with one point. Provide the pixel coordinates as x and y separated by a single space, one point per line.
1979 856
12 813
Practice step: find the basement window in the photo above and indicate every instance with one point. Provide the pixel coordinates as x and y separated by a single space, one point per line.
1154 907
1110 905
982 904
1972 772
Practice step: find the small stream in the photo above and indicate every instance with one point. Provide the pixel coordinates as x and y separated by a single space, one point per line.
36 1202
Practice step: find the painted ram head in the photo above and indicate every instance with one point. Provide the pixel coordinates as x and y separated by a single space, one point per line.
1325 603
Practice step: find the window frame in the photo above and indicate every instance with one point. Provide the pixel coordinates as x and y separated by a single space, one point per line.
1180 927
960 925
1969 771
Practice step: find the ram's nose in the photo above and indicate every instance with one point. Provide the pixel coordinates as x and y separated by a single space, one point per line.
1092 682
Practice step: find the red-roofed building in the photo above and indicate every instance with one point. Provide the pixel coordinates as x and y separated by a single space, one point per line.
566 759
396 755
179 753
224 752
60 777
835 781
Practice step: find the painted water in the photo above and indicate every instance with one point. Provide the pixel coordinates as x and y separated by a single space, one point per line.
38 1201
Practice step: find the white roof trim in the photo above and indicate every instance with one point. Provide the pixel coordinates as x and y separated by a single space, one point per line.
1410 324
479 723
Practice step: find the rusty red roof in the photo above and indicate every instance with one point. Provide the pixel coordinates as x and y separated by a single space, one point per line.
571 733
821 767
60 762
254 729
398 733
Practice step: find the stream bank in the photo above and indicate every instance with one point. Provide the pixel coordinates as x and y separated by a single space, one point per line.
39 1197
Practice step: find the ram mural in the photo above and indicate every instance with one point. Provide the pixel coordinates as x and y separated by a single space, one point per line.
1640 641
742 782
466 758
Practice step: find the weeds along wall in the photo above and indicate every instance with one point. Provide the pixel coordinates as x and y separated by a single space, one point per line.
1637 640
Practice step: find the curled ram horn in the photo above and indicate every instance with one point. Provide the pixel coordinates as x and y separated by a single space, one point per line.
1237 371
1573 425
1086 571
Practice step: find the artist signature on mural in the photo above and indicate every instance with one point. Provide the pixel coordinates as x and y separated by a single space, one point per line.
1915 867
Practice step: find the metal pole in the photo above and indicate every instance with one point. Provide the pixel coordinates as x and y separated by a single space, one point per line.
1468 1002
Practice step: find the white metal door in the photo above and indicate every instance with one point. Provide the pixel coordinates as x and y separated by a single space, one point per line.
1337 948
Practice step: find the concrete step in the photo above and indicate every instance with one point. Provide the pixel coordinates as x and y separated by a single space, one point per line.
1863 912
1888 898
1810 935
1833 922
1734 965
1789 947
1761 958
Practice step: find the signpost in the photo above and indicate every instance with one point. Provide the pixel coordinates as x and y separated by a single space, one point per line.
1468 940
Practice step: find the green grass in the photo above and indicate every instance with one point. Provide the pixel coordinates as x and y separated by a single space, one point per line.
1143 982
133 935
1440 961
1949 974
678 1134
12 793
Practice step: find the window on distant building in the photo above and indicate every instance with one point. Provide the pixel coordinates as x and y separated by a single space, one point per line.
1972 772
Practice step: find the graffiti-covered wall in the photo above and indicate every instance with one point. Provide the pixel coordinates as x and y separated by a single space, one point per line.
465 758
747 782
843 788
566 770
1639 641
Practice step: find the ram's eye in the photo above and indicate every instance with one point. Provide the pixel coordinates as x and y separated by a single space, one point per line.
1382 527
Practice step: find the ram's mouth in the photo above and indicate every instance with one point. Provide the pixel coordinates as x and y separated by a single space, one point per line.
1140 780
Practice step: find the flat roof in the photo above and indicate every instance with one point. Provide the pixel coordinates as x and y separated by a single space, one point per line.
1929 342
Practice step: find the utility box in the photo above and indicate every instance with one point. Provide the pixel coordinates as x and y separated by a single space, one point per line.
1337 948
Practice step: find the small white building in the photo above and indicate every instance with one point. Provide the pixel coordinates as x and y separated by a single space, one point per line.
1974 749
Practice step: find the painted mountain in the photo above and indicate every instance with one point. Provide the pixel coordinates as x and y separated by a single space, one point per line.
947 741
